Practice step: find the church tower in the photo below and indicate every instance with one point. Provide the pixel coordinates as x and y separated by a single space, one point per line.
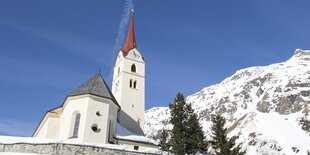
128 85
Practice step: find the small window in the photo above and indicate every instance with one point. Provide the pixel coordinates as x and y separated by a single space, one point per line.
95 128
136 147
98 113
118 70
133 68
132 105
76 125
130 83
135 84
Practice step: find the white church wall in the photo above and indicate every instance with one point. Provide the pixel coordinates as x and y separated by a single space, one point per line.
53 127
124 63
117 86
97 115
71 106
93 111
118 69
42 129
49 127
131 99
135 60
113 114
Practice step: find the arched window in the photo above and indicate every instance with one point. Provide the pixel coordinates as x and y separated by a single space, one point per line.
133 68
76 125
130 83
118 70
135 84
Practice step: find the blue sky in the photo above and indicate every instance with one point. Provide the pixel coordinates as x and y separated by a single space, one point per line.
48 48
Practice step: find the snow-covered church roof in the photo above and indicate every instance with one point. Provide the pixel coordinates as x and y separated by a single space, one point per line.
123 134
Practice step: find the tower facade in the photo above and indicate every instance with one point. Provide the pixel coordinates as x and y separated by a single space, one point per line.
128 85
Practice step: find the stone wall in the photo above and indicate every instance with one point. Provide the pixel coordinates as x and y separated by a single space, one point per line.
64 149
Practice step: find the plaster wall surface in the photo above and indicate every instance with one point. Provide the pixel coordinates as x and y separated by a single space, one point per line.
73 105
131 99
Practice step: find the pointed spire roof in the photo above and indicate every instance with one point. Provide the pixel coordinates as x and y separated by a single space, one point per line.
95 86
131 40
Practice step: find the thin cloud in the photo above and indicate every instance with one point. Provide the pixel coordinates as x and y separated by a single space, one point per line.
121 34
74 44
35 73
123 25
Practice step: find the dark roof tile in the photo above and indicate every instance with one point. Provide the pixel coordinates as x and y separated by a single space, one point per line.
95 86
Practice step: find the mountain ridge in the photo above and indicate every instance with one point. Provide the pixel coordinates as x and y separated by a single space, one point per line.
257 103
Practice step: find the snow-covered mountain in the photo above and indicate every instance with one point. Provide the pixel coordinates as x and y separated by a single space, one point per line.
266 106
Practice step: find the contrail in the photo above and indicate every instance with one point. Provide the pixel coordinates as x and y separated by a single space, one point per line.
121 32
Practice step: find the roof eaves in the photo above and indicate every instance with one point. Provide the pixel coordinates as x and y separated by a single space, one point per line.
135 141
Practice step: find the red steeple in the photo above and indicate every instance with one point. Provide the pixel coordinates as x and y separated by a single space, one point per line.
131 40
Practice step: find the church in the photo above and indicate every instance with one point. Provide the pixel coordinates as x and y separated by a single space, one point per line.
93 113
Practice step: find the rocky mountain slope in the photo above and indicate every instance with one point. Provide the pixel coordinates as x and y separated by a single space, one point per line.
266 106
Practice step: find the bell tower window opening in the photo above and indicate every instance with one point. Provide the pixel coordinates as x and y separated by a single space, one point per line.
130 83
135 84
133 68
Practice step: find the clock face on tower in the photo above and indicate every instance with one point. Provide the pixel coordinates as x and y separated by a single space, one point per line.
134 54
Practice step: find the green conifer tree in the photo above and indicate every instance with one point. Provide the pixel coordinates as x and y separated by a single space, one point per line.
221 144
164 142
178 118
195 139
187 136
